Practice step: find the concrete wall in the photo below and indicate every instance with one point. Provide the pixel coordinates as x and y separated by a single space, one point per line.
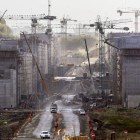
27 74
42 60
133 100
39 49
41 36
130 66
126 40
8 90
131 77
9 45
60 71
25 81
8 60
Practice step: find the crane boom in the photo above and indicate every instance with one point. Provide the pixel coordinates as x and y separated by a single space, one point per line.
137 13
101 26
34 23
25 17
43 81
3 15
29 17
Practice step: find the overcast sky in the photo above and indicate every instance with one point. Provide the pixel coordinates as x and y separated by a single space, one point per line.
81 10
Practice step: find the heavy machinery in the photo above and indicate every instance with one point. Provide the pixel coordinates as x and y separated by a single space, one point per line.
49 33
34 19
53 108
64 31
43 81
100 26
34 22
3 15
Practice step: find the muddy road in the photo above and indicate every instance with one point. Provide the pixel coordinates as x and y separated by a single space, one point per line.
67 116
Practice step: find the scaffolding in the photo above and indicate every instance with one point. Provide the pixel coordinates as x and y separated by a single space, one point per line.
25 76
29 79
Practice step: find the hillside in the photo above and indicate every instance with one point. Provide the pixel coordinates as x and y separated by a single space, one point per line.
76 45
77 42
5 30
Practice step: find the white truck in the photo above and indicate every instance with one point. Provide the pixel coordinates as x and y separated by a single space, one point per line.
53 108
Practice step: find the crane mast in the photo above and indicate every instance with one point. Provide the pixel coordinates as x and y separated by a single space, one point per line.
137 13
64 22
49 13
34 22
49 33
100 26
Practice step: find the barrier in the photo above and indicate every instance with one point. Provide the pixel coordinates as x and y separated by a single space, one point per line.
15 134
68 137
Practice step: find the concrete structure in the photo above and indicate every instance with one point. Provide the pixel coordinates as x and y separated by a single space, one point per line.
125 67
34 87
131 78
9 60
25 79
8 88
15 54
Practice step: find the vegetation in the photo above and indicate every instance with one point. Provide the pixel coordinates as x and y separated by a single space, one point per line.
120 119
130 124
77 42
120 110
133 136
4 29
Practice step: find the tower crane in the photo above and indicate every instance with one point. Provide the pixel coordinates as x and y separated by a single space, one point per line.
101 26
64 22
137 13
49 33
34 19
34 22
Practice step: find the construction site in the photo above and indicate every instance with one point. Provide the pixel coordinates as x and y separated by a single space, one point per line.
83 68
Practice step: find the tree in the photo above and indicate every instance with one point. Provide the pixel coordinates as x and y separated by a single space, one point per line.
77 42
5 30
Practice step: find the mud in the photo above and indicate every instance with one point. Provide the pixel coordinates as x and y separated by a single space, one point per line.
14 121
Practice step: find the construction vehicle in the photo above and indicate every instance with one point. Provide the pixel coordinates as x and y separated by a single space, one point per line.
100 26
43 81
53 108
